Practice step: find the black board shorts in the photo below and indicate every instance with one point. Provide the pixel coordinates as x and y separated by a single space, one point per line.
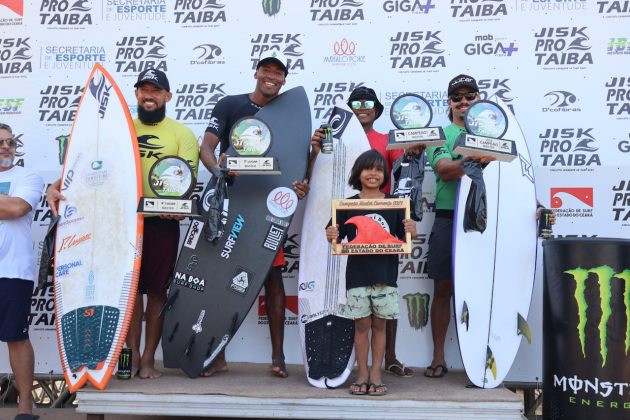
15 308
159 253
440 257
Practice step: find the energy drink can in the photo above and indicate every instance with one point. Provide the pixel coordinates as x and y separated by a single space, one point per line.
544 224
124 364
327 141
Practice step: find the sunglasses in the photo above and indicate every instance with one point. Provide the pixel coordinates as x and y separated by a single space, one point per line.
457 97
362 104
10 142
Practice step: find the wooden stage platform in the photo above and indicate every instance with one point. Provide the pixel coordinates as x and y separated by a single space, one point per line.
249 391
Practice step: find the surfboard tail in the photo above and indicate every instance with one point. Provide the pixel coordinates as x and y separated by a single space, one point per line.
75 380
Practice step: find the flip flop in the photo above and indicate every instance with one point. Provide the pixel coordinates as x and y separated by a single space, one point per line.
363 388
432 369
399 369
373 390
26 416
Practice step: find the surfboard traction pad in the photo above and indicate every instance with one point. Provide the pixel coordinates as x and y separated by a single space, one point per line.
328 342
200 321
88 334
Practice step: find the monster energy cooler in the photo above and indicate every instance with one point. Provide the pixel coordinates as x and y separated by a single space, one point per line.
586 328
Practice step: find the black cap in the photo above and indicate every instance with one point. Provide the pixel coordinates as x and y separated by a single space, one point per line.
274 56
155 77
364 92
462 81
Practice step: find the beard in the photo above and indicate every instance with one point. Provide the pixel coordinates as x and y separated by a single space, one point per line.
151 117
6 163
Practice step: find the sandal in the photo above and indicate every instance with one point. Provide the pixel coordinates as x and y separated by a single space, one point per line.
430 371
377 390
357 388
399 369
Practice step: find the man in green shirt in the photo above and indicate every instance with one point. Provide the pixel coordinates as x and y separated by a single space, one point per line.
462 92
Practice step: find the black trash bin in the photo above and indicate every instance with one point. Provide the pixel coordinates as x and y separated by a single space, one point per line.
586 329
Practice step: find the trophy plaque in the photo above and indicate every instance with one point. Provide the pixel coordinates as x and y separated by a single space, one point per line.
412 115
172 180
251 139
486 123
371 237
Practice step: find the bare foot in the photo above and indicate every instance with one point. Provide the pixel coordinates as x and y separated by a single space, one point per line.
279 369
149 372
215 367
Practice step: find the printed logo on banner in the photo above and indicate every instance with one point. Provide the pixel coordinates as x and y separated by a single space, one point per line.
65 14
561 101
19 153
417 52
417 309
291 251
11 106
42 313
614 9
344 53
271 7
195 101
289 44
567 149
621 202
414 264
475 10
328 93
71 57
199 13
230 242
137 53
438 99
62 143
562 47
135 10
291 310
546 6
572 201
336 12
58 104
490 45
12 12
618 46
498 87
624 145
15 54
408 6
207 54
618 97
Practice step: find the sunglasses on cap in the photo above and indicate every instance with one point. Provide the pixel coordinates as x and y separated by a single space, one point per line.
10 142
362 104
457 97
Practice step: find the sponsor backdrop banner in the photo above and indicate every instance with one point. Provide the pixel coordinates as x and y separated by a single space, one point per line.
561 66
586 328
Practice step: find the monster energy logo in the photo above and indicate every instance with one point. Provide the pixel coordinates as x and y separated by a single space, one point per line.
417 309
63 146
604 275
271 7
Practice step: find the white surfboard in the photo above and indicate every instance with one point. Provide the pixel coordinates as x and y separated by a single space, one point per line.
99 235
327 337
494 271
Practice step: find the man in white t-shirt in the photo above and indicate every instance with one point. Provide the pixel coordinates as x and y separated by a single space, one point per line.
20 191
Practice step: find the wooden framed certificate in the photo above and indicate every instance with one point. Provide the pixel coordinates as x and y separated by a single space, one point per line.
371 237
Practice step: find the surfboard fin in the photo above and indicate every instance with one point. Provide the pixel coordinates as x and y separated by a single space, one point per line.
210 344
191 342
169 302
465 315
523 328
490 362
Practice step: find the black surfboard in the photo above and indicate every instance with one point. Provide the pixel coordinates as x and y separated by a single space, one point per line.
216 284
